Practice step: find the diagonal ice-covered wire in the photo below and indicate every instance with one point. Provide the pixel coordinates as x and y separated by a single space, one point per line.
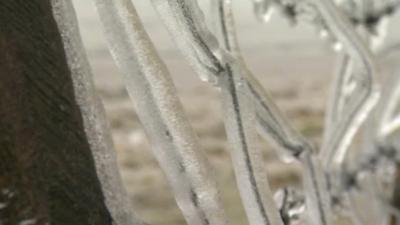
150 86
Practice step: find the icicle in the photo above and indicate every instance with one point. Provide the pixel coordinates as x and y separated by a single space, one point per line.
150 86
96 126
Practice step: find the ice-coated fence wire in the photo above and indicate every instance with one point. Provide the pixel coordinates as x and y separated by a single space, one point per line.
216 58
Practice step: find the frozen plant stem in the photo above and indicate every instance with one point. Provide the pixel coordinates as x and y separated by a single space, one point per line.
335 146
150 86
274 125
240 120
186 23
96 126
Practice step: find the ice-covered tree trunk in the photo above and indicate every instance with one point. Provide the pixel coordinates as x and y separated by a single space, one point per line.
47 169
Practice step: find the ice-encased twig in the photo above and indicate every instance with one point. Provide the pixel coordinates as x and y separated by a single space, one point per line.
270 119
148 83
343 87
239 120
274 124
338 93
387 120
93 115
247 158
237 101
315 183
335 146
338 137
187 23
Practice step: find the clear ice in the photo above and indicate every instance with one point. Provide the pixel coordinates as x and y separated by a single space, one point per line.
154 96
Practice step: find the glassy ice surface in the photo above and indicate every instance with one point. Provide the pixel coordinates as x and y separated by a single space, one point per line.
187 26
216 58
149 84
96 125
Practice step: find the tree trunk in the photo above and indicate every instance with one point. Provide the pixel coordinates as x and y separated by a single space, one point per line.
47 171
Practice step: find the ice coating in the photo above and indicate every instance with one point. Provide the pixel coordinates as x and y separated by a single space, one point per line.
239 124
246 104
271 121
274 126
149 85
187 27
94 119
291 205
316 191
387 120
263 9
362 100
246 156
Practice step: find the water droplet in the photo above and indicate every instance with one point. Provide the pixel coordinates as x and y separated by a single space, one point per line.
263 10
291 203
323 34
337 46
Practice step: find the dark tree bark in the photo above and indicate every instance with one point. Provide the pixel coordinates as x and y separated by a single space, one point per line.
47 171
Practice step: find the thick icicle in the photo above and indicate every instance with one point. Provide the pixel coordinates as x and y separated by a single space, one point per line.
96 126
150 86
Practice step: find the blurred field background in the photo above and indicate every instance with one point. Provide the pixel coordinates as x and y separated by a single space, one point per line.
292 63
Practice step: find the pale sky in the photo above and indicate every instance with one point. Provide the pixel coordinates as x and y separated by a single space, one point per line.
251 33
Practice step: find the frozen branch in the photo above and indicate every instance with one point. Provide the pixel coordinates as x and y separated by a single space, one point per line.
150 86
95 122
